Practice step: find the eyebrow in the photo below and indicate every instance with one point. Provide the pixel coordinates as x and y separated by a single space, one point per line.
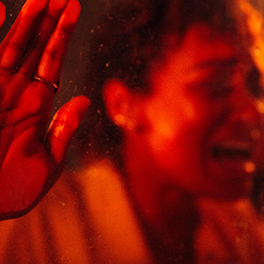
215 63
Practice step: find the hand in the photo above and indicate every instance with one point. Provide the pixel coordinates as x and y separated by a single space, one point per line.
31 159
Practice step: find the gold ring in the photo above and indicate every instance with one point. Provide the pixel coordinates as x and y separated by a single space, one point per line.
52 86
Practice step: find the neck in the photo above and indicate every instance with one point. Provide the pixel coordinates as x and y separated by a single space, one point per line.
167 212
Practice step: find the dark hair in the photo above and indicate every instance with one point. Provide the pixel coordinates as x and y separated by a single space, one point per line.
126 42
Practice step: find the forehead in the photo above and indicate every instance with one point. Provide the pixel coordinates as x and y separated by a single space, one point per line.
201 43
201 36
202 46
202 49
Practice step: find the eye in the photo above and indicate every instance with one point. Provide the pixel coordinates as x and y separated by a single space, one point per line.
214 81
253 83
216 87
220 88
212 88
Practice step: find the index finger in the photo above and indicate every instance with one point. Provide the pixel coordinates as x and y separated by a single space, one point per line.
13 46
51 62
2 13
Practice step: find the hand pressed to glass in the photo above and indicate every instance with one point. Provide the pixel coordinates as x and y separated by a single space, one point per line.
31 58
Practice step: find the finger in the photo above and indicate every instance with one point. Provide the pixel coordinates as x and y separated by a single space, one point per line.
51 62
14 44
2 13
64 125
46 29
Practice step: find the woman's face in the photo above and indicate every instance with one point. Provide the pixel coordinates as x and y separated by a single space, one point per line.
200 122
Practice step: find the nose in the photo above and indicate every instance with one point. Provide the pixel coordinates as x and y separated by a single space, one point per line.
247 109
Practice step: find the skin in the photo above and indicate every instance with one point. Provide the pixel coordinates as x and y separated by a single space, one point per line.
31 159
199 101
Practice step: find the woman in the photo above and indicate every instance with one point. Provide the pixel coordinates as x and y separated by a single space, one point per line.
177 114
181 85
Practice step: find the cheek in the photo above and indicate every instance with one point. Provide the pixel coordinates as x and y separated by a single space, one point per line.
168 117
176 131
172 136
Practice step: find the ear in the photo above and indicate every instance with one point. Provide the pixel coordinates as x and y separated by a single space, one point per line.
119 101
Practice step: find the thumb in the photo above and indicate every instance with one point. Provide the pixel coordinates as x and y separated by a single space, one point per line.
64 125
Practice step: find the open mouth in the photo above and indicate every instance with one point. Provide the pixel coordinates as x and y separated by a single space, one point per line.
235 157
232 151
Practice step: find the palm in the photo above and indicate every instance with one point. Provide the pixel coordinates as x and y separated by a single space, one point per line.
30 160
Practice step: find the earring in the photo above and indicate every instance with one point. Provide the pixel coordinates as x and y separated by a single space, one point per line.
120 120
125 122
